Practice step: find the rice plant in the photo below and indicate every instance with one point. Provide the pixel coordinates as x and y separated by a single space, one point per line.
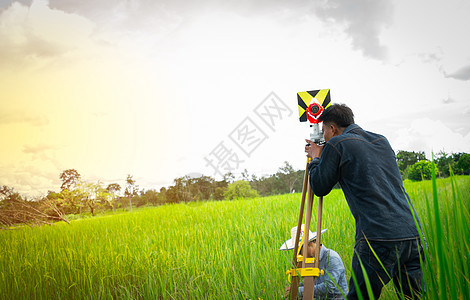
217 250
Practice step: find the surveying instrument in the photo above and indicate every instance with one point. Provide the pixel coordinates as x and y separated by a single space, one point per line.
311 107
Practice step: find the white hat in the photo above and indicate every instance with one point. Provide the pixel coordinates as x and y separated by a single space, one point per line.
289 244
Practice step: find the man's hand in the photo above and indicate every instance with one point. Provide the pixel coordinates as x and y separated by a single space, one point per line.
313 150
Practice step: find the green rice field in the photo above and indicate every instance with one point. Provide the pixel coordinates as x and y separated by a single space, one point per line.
217 250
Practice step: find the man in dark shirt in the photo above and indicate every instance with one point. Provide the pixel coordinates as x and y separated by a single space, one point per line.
365 166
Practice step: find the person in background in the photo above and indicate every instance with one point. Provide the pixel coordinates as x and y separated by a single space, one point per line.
330 262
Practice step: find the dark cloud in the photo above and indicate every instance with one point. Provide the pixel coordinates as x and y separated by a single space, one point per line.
131 15
6 3
461 74
364 20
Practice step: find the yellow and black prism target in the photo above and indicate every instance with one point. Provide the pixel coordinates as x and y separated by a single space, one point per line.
304 99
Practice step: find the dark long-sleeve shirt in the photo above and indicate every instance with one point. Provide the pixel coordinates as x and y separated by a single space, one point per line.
365 166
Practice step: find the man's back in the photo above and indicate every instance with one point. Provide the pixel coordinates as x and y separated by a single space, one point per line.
365 166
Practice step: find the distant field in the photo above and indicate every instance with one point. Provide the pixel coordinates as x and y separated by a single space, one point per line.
215 250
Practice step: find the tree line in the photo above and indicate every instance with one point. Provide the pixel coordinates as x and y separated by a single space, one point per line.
415 166
78 197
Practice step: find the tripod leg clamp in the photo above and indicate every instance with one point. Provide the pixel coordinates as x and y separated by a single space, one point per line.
303 272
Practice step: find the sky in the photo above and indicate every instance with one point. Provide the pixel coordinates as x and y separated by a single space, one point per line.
164 89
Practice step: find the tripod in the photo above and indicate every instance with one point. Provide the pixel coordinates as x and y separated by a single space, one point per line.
303 266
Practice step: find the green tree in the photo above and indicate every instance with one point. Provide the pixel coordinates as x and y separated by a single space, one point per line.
181 189
219 193
300 181
219 188
69 178
104 198
464 163
202 187
172 195
64 201
405 159
421 170
245 176
92 195
445 162
131 189
287 177
240 189
162 195
147 197
229 177
113 189
456 156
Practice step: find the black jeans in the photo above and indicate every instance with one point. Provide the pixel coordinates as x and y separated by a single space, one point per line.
401 260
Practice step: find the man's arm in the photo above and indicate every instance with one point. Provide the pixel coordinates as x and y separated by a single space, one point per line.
324 171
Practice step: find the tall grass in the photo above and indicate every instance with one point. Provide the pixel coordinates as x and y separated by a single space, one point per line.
216 250
447 233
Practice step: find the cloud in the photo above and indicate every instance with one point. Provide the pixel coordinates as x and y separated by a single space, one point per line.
363 19
461 74
15 117
431 136
43 154
431 57
19 39
32 34
130 16
434 128
7 3
28 179
31 48
448 100
36 149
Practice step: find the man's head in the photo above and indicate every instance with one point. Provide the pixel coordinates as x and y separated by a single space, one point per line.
290 243
311 248
335 119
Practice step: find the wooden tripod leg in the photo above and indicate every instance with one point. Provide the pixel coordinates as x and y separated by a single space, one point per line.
318 241
309 281
294 286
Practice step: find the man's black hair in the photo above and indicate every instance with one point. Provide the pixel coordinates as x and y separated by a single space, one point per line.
339 114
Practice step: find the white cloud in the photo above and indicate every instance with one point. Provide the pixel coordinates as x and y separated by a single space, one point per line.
434 30
36 34
30 178
430 136
362 20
